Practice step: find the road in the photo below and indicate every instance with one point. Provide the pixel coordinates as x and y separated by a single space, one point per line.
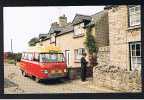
15 83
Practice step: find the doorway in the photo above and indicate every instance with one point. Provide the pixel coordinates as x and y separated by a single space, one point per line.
67 55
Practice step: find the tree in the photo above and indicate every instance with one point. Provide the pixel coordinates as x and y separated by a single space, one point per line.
18 57
90 45
33 41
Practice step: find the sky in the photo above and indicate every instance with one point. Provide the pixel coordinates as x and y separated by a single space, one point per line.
23 23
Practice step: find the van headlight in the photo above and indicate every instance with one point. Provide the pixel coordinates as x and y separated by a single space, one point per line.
65 70
45 71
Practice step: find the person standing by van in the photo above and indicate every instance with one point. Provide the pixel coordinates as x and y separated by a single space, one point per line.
83 67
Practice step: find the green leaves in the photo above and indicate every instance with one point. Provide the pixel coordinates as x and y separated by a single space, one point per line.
33 41
89 42
54 51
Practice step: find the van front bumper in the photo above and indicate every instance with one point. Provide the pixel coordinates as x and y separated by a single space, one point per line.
55 76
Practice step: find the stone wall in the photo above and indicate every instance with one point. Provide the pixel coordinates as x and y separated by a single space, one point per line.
75 73
120 34
117 79
103 55
101 28
118 24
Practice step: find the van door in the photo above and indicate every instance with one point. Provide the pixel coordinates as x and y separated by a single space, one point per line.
30 63
24 63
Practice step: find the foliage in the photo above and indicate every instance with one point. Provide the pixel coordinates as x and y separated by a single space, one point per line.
10 55
54 51
90 45
11 61
18 57
33 41
89 42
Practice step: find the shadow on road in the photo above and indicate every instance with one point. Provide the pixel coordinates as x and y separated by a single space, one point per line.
54 81
8 83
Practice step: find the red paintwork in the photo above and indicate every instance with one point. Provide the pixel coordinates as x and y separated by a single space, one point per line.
33 68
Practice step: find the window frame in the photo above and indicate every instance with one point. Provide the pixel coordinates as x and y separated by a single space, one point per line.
76 51
135 14
34 58
49 56
78 28
53 37
131 56
30 56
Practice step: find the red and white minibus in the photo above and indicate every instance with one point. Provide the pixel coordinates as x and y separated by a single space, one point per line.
42 62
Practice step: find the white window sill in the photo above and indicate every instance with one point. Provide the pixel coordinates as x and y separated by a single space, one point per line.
134 27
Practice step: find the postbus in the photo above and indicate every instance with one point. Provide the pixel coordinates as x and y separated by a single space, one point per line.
43 62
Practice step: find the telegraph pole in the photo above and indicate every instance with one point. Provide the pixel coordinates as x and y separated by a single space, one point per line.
11 46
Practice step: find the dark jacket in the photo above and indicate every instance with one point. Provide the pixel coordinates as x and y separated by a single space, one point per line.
83 69
83 62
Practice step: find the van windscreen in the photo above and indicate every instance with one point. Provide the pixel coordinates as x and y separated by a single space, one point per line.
51 57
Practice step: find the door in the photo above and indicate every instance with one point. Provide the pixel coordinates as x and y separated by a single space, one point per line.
67 55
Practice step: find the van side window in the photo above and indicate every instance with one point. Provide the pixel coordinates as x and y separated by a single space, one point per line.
26 56
23 56
30 56
36 57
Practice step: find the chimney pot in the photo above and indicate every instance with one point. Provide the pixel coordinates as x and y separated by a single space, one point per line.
62 20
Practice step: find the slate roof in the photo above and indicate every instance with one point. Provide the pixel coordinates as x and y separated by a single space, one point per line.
46 38
42 36
110 6
90 24
80 18
66 29
55 28
97 17
69 27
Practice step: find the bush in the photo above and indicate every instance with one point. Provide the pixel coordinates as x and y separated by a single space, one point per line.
18 57
91 47
11 61
14 56
11 56
90 42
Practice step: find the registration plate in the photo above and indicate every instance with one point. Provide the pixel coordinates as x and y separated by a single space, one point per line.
56 71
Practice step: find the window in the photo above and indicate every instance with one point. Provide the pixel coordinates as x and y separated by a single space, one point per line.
36 57
25 56
134 15
52 39
30 56
78 53
51 57
78 29
135 50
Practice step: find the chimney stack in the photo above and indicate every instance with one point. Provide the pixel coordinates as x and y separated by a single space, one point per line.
62 20
55 24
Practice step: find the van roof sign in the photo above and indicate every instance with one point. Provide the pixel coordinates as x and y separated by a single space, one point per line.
45 49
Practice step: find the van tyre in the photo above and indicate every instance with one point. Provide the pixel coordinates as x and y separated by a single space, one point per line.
24 74
37 80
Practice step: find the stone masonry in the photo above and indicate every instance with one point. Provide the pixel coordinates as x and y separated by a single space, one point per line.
117 79
103 55
113 69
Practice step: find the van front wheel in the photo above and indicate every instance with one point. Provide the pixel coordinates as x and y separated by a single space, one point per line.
37 80
24 74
